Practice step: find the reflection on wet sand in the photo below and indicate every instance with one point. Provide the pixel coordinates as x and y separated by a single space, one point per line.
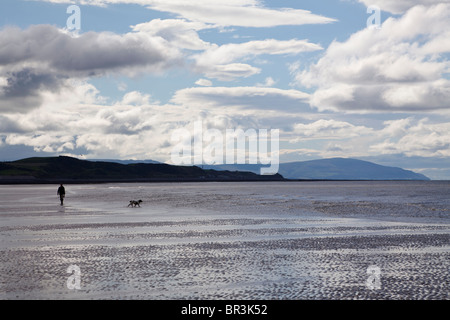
222 241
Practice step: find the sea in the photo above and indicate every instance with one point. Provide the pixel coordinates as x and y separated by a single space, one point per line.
307 240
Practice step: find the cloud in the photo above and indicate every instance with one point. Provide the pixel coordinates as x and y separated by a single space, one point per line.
399 6
329 129
60 111
220 61
88 54
242 13
204 82
180 33
135 98
238 13
415 138
22 89
42 58
233 51
407 137
251 99
227 72
132 127
399 68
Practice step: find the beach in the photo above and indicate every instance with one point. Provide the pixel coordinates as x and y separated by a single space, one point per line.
233 240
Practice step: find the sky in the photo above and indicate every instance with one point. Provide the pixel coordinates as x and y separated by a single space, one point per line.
337 78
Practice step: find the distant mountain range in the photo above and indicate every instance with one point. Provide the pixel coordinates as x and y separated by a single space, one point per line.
332 169
71 170
67 169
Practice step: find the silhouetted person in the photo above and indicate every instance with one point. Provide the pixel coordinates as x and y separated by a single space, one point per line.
62 193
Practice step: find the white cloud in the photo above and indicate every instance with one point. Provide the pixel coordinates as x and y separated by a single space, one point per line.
132 127
396 128
236 13
400 6
220 61
400 67
414 138
243 13
329 129
179 33
228 53
407 137
204 82
253 99
135 98
228 72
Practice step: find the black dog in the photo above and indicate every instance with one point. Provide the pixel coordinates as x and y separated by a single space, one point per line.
134 203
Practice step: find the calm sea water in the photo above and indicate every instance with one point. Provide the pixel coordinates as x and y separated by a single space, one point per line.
265 240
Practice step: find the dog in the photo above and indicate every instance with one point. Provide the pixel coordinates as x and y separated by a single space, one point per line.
134 203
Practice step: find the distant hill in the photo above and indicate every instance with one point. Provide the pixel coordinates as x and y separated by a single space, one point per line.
346 169
71 170
333 169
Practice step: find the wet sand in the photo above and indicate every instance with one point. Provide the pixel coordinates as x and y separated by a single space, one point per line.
216 241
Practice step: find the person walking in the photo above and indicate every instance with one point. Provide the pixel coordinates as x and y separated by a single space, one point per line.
62 193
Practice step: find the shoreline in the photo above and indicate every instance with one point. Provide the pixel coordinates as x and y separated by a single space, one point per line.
27 181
